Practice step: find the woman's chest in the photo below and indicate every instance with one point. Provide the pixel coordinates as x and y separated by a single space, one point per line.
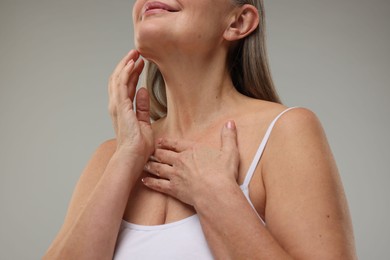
148 207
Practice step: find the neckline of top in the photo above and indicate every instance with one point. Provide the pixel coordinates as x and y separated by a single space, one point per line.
129 225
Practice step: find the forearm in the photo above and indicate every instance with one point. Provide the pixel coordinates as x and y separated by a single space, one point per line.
232 228
94 231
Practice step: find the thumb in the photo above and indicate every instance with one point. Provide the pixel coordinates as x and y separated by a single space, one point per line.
142 105
229 137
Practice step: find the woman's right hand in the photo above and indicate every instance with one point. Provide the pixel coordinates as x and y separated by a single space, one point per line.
133 130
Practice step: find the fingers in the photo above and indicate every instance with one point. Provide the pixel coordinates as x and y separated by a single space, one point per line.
132 55
139 66
123 81
133 81
165 156
160 185
124 78
121 75
159 169
143 106
174 144
229 137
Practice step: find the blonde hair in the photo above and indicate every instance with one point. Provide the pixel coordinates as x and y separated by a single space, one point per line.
248 64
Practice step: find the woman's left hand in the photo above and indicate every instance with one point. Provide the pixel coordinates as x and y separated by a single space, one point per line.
188 169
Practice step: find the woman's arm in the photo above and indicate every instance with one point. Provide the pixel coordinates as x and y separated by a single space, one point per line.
96 209
306 211
306 206
92 223
232 228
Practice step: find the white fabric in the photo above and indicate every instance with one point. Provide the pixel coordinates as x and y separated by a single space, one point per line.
183 239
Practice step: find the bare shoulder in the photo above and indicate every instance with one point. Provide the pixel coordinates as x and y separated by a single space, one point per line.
107 147
97 163
298 147
88 180
294 122
262 111
86 184
303 185
96 166
104 152
298 133
292 116
298 119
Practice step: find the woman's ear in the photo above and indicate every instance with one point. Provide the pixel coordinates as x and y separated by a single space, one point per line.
244 21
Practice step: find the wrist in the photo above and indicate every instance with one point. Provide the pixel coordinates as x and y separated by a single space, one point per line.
135 162
131 154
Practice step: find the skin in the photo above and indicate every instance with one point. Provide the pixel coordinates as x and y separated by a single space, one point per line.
202 150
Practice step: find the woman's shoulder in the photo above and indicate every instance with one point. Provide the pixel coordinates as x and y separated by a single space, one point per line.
297 121
287 117
297 134
101 156
291 126
106 148
108 145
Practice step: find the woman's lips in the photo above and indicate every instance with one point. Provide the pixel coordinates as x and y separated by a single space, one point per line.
157 7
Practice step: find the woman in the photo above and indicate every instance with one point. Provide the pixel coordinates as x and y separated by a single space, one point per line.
225 171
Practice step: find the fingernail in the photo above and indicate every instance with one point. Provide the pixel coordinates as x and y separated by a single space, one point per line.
230 125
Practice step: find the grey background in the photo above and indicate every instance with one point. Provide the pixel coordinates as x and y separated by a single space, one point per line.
56 56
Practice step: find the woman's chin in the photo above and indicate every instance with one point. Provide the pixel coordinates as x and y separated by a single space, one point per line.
147 52
153 49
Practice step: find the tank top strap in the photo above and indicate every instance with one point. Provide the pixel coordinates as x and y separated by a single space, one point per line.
260 150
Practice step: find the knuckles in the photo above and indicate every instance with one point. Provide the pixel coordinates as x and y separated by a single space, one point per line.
171 144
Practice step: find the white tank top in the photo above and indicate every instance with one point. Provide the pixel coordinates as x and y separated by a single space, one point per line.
183 239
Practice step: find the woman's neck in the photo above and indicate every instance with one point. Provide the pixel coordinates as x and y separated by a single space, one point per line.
199 91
